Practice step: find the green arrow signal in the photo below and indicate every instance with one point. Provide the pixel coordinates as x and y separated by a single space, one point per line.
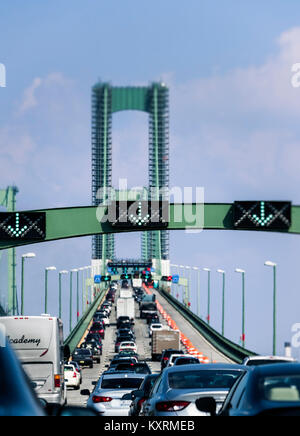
262 220
17 232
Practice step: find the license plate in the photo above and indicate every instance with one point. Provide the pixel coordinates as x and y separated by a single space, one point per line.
125 403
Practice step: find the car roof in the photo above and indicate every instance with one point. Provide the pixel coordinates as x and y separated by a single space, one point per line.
278 369
122 374
207 366
288 359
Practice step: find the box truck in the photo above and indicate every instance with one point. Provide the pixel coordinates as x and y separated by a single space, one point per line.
164 340
125 307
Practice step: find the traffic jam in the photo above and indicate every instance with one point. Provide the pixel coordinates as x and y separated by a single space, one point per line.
169 377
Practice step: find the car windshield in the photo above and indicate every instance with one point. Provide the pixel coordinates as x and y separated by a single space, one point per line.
256 362
121 383
204 379
142 368
281 388
186 361
82 352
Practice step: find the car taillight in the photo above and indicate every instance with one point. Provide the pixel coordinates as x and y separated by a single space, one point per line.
77 370
75 375
57 381
96 399
140 402
165 359
171 406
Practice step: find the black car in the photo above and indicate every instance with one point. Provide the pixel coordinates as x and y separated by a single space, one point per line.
128 361
97 328
151 319
267 390
95 349
123 320
125 331
94 337
138 397
166 356
83 357
142 368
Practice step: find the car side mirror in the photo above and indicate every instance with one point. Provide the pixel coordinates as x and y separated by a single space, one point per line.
127 397
85 392
137 394
207 405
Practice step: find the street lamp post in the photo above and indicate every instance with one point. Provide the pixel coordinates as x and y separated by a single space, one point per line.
49 268
241 271
188 303
71 296
59 294
183 290
174 266
223 300
24 256
208 293
198 289
274 266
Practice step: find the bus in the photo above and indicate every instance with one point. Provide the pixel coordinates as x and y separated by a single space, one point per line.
38 343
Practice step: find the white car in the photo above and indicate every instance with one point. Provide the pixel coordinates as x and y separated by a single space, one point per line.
72 377
154 328
263 360
124 346
173 357
108 396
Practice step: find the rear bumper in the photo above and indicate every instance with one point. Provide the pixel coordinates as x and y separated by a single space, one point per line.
55 398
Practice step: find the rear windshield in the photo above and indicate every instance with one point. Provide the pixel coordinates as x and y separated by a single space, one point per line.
69 368
281 388
121 383
186 361
82 352
141 368
97 326
256 362
204 379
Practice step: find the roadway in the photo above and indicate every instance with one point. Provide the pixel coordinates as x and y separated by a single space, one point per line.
90 376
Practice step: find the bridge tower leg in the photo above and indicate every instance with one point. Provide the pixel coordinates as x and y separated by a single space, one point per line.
8 200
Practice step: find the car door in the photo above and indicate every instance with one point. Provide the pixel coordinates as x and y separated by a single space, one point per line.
157 390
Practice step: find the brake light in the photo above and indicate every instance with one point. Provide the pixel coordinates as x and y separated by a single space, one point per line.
96 399
171 406
74 375
57 380
140 402
165 359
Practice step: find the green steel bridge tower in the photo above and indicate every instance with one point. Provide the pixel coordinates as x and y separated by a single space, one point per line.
154 100
8 200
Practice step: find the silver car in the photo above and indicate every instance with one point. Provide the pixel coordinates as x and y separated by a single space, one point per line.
107 398
177 388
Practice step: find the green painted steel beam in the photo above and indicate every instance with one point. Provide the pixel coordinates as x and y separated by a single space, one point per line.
82 221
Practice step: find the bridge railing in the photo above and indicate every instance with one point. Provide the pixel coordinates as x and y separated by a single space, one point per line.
77 333
234 352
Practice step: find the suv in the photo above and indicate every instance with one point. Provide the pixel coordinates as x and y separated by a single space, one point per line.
83 357
123 320
166 356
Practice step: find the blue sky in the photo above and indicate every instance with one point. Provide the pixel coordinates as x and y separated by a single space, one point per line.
234 129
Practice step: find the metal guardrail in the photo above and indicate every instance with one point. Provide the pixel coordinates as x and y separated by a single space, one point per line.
228 348
2 311
77 333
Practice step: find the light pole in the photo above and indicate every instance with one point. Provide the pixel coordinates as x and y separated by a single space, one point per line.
82 293
241 271
59 294
24 256
208 293
198 289
274 266
49 268
223 300
71 295
183 291
188 303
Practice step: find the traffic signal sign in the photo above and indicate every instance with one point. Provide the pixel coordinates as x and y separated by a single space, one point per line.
105 278
166 278
139 214
22 226
262 215
126 276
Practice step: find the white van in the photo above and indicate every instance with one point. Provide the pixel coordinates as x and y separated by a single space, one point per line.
38 343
